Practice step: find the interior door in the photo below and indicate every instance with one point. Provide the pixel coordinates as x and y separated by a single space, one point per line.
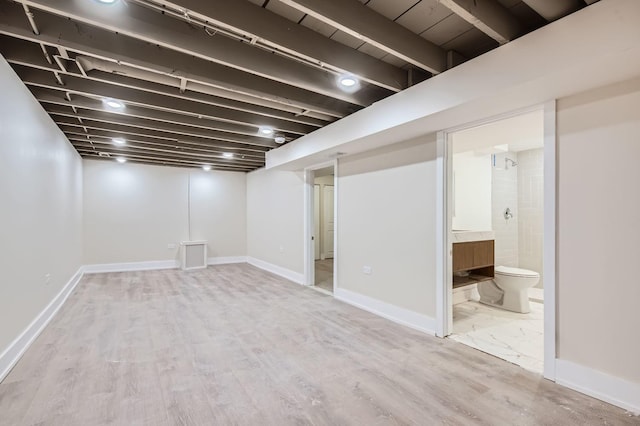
316 221
328 221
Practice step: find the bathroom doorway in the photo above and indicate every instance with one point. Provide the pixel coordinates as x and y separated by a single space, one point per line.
495 238
320 264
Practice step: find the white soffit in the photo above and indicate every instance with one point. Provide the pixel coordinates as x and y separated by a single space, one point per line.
593 47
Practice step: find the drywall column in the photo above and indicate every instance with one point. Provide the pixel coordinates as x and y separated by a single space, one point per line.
275 222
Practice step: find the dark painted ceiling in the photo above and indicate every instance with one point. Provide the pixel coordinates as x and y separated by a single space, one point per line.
218 83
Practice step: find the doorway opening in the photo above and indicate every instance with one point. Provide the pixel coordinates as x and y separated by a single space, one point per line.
499 251
321 228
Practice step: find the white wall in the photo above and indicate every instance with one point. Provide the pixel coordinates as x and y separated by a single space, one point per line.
275 218
599 229
386 220
471 191
132 212
531 210
41 212
504 193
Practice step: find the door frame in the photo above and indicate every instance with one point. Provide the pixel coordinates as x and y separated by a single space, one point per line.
309 259
444 163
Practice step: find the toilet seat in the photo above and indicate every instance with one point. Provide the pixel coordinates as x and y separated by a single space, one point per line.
515 272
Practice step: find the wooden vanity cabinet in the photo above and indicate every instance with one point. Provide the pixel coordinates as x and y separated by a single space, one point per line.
476 257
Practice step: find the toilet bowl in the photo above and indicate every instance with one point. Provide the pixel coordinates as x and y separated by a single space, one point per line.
509 289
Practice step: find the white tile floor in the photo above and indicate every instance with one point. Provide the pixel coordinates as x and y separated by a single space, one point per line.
517 338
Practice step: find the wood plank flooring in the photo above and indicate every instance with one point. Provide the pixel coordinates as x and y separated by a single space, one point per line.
235 345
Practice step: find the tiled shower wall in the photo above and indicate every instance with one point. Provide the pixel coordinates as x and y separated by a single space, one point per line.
504 193
531 209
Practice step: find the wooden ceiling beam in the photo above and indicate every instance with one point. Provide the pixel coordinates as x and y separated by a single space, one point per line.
131 96
135 21
489 16
364 23
274 30
96 42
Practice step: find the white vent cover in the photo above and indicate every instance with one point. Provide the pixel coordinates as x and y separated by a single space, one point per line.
194 255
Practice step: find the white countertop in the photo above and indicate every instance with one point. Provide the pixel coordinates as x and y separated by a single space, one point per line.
467 236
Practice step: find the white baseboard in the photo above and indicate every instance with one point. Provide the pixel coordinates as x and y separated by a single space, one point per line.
226 260
296 277
131 266
20 344
611 389
394 313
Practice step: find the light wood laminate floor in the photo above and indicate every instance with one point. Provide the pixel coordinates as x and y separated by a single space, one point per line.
235 345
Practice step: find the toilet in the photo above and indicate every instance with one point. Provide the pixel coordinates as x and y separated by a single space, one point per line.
509 289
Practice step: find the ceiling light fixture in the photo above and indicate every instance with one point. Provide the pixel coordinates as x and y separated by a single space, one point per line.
227 154
265 131
107 1
280 138
206 167
112 103
348 82
119 141
121 160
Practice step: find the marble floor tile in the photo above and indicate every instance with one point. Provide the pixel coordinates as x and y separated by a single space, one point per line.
517 338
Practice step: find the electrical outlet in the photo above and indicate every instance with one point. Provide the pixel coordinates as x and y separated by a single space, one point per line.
171 246
47 279
367 270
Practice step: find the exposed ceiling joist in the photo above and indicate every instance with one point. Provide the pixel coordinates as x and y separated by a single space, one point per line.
147 25
98 89
88 116
88 40
488 16
29 56
554 9
187 143
27 53
68 125
100 141
48 96
132 149
275 30
92 119
362 22
187 82
162 161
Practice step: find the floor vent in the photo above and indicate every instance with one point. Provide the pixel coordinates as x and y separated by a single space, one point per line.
194 255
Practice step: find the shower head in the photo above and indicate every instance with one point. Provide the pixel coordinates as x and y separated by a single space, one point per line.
508 160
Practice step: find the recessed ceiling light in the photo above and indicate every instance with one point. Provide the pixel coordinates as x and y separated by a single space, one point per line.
265 131
119 141
121 160
348 82
206 167
280 138
227 154
112 103
106 1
